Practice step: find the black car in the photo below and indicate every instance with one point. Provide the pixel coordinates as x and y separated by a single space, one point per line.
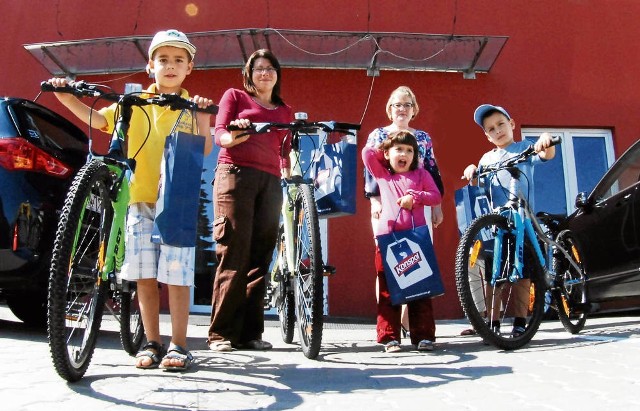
606 225
40 152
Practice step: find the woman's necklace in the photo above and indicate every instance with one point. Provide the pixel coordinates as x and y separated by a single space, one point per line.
269 105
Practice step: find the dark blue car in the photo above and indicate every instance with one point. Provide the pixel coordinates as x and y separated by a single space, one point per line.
40 152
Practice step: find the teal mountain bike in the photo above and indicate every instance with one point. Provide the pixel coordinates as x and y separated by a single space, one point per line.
506 262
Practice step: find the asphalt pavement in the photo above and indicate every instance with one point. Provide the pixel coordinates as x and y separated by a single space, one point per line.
594 370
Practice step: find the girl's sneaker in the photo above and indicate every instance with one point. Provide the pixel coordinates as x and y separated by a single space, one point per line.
425 345
392 347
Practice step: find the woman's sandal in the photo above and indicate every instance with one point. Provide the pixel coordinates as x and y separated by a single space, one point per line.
152 350
176 352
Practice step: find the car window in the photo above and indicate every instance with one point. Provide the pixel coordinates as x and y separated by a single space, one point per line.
624 174
50 132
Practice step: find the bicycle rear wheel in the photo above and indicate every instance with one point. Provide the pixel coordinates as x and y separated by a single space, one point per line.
131 327
308 278
570 291
77 293
284 299
493 310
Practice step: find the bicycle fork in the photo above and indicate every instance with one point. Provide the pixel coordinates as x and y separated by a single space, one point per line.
522 227
289 193
114 256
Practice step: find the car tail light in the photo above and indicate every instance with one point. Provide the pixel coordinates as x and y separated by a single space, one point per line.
18 154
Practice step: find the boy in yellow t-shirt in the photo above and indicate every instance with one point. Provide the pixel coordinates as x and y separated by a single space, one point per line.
170 60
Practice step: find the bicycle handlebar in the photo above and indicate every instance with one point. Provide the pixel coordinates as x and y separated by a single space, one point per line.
84 89
299 126
513 161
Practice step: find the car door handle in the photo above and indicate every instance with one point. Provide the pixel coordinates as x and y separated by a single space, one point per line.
624 200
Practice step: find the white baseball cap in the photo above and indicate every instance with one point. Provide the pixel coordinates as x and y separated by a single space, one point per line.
173 38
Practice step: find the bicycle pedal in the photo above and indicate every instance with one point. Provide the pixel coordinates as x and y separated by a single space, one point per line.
328 270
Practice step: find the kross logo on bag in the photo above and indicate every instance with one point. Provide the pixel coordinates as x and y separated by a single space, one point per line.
407 263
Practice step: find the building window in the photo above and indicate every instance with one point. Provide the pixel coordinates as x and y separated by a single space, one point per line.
581 160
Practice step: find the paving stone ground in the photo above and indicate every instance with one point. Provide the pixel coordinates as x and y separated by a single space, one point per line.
594 370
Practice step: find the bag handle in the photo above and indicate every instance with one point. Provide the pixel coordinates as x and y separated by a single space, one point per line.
413 224
193 122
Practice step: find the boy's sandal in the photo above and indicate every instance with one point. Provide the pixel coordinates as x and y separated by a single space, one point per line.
468 331
392 347
179 353
152 350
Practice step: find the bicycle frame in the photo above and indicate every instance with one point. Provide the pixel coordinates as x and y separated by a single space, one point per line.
525 224
290 191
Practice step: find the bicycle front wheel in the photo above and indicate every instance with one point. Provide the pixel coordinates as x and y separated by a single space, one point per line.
77 294
507 314
570 291
308 278
131 327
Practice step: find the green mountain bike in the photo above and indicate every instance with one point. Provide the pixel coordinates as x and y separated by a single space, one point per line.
296 286
88 251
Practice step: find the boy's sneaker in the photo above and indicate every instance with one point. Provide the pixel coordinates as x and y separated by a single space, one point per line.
517 331
425 345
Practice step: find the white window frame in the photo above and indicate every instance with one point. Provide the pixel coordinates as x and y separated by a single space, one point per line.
569 166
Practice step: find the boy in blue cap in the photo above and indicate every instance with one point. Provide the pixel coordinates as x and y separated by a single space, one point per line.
498 126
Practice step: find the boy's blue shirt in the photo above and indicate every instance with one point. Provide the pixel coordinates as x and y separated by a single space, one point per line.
498 185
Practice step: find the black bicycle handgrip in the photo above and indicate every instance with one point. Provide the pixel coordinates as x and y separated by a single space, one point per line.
556 140
346 126
77 88
212 109
175 102
233 127
46 86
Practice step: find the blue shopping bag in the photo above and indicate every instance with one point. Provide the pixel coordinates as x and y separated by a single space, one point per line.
333 169
410 265
176 220
471 203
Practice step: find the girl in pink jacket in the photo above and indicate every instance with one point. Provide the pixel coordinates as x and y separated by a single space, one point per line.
405 189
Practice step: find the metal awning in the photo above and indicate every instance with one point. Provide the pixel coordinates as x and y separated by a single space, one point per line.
295 48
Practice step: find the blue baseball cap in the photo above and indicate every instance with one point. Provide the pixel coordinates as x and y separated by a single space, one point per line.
481 113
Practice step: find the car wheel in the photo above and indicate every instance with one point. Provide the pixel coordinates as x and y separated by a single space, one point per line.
29 307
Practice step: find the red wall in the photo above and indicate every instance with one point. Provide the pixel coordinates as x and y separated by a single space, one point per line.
566 64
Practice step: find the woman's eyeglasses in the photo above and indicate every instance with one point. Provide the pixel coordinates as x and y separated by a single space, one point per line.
267 70
402 105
